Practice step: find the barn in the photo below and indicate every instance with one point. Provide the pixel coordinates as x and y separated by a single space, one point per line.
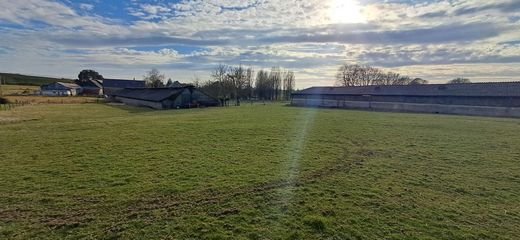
91 87
111 86
165 98
484 99
60 89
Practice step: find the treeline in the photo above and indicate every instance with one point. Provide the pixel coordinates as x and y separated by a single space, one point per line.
358 75
241 83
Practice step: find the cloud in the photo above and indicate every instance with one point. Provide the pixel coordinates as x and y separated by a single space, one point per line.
191 36
439 34
502 6
437 14
86 7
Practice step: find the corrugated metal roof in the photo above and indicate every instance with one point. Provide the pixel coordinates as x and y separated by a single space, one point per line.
502 89
90 83
149 94
121 83
69 85
60 85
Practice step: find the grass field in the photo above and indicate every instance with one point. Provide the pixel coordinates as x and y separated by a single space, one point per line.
19 89
53 100
20 79
256 172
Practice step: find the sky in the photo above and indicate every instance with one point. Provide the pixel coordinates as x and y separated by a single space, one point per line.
186 39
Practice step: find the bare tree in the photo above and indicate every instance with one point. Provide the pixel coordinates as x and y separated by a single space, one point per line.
418 81
220 75
262 84
289 83
275 82
154 78
249 84
237 76
349 75
357 75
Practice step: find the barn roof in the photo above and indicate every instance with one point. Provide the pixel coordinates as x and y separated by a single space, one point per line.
90 83
149 94
69 85
502 89
121 83
60 85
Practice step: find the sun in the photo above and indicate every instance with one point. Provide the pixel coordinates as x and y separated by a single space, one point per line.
345 11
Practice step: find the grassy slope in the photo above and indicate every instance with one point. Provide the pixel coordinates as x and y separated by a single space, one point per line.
19 89
19 79
275 172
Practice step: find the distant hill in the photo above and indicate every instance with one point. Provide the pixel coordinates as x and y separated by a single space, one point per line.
19 79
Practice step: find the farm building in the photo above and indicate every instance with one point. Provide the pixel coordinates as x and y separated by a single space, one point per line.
111 86
486 99
60 89
91 87
165 98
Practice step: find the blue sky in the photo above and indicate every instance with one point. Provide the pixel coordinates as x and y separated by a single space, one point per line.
185 39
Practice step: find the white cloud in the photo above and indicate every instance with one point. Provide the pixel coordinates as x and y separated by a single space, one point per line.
413 38
86 7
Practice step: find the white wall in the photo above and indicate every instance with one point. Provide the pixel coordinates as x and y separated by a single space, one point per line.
57 93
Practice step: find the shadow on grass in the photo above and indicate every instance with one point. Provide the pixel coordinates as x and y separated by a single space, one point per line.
130 109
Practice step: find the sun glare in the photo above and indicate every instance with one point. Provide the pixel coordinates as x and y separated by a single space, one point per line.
345 11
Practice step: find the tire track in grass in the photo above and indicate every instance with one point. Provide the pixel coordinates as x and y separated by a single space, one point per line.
181 204
177 205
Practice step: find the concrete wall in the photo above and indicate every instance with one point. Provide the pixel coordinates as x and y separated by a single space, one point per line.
412 107
442 100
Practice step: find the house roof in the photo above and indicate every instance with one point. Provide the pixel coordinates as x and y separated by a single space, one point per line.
69 85
60 85
502 89
149 94
121 83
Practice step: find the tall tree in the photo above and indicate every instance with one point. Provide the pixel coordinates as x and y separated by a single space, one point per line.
289 84
220 75
237 76
262 85
154 78
275 82
87 74
249 84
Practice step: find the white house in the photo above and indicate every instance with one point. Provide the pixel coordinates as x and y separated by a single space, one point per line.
60 89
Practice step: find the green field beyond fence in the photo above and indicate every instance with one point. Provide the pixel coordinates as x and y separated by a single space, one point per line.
93 171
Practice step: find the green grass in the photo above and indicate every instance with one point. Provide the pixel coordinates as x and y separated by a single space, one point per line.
256 172
19 79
